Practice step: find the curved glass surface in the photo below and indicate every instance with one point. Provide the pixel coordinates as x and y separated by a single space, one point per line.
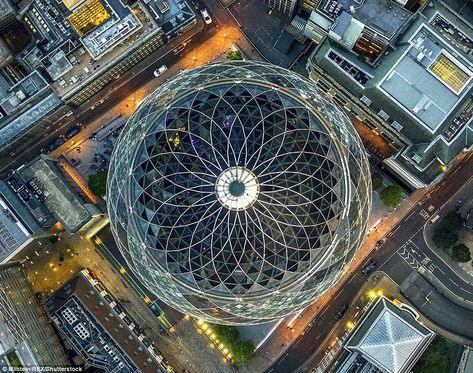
238 192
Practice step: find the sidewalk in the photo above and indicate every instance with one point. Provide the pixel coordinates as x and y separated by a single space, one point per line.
271 350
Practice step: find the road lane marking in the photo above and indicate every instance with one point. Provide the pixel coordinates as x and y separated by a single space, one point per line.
351 278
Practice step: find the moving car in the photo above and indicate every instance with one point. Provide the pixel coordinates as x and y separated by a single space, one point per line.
369 267
206 16
161 70
342 311
72 132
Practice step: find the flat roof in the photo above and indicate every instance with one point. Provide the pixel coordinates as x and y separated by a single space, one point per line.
20 124
13 234
60 199
26 321
384 16
427 81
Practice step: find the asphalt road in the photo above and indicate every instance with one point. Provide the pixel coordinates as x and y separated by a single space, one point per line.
393 259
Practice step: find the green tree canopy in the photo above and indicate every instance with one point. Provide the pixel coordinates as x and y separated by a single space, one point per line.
461 253
227 334
234 55
98 183
243 352
437 358
377 180
391 195
444 238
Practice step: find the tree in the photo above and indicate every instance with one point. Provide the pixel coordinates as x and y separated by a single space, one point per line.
391 195
437 358
452 221
227 334
98 183
461 253
243 352
444 237
377 180
234 56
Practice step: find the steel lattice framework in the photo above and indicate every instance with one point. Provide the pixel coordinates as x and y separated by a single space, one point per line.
238 192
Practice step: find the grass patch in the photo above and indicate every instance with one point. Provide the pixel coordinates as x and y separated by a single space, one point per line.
437 358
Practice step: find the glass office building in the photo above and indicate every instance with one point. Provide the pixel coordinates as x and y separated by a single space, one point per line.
238 192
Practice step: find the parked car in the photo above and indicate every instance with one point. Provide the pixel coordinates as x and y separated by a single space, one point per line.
342 311
72 132
206 16
369 267
55 144
160 71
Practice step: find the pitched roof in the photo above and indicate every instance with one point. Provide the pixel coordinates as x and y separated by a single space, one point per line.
390 338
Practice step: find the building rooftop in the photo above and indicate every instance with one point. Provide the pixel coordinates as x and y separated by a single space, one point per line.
23 324
22 92
13 233
171 15
427 81
11 130
63 203
384 16
98 328
389 337
47 21
72 4
111 23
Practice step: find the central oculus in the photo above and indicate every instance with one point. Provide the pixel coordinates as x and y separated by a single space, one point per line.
237 188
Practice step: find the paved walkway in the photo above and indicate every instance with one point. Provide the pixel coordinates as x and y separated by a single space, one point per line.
279 341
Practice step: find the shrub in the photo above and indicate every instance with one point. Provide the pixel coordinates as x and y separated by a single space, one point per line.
98 183
377 180
234 55
391 195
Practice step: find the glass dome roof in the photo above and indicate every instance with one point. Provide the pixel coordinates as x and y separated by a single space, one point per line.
238 183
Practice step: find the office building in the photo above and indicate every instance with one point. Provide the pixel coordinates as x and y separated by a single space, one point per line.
238 193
